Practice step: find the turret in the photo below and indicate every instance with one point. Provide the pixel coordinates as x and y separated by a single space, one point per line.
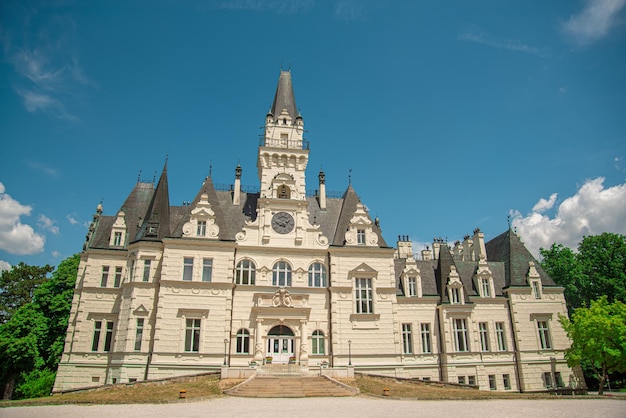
322 196
237 191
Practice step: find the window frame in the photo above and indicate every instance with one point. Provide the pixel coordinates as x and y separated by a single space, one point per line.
207 269
245 269
493 385
427 342
281 274
506 380
485 285
242 341
363 291
317 275
360 237
147 265
501 336
193 328
201 229
188 269
536 288
117 238
139 327
318 343
545 340
407 338
412 286
118 276
105 276
461 340
483 332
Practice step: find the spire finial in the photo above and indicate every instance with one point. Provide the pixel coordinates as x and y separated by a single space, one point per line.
508 220
154 177
210 168
350 176
139 176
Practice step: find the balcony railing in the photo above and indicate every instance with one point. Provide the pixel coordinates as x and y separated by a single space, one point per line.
284 143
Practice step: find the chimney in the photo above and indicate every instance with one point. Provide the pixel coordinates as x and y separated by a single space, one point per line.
427 254
322 196
479 244
237 191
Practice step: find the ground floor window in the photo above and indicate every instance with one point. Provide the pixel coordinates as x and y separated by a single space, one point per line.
192 335
507 381
317 342
407 339
492 382
243 342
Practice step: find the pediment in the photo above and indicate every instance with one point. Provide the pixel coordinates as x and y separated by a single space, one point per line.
363 268
140 310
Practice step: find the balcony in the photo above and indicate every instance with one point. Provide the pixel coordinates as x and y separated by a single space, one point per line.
284 143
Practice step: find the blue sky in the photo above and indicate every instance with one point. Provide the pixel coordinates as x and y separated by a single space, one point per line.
451 115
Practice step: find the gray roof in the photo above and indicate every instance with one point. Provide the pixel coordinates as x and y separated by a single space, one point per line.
284 97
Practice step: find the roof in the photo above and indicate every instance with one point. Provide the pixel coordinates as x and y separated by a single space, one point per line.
284 97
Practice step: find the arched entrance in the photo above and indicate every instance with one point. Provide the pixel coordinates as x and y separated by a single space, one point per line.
280 344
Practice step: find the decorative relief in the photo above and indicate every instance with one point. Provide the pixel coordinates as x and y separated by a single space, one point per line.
282 298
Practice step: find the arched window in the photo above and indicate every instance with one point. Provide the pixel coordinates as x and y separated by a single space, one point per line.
281 274
245 271
317 275
284 192
243 341
317 342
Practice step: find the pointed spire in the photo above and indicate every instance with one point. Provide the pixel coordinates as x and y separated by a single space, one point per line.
157 219
284 97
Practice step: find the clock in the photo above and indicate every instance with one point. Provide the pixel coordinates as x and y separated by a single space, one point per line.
283 223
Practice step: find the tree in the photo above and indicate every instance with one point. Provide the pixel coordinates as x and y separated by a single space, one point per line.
598 335
32 339
17 287
597 269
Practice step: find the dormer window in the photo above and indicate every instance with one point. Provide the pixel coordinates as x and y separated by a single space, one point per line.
485 287
117 239
455 296
536 289
201 229
412 286
360 236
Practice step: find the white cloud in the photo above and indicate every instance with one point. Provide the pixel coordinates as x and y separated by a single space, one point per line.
71 218
594 21
591 211
35 101
52 172
56 254
48 224
350 11
4 265
544 204
511 45
16 237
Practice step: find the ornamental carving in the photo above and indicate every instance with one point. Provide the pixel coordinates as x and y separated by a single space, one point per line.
282 298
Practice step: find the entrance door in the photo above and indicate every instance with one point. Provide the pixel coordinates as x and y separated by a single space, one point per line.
280 344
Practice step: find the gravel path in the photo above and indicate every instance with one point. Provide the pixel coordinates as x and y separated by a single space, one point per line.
360 407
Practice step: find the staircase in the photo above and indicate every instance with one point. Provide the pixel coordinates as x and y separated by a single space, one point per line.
291 387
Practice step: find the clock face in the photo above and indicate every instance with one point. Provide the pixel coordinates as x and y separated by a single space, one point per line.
282 222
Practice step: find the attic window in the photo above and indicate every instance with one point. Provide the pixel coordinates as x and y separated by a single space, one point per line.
360 236
455 295
152 230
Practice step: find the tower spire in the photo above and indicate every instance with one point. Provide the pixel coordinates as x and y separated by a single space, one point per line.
284 99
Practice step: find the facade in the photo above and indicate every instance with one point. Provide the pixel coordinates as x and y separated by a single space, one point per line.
235 278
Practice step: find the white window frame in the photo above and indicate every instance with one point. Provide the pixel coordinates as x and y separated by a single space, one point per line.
207 269
193 330
188 269
427 342
201 229
118 276
455 295
485 285
506 380
317 342
242 342
317 275
543 329
407 339
363 295
146 270
412 286
536 289
117 239
281 274
483 332
461 340
360 237
139 327
501 336
245 272
493 385
105 276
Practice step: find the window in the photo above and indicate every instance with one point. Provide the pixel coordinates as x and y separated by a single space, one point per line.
507 381
500 337
146 270
187 268
118 277
201 229
558 380
536 291
243 341
245 272
486 288
360 236
471 380
455 295
207 269
281 274
407 339
117 239
484 336
426 341
460 335
317 342
547 378
97 328
412 286
139 334
544 335
192 335
461 380
317 275
492 382
105 276
363 296
108 337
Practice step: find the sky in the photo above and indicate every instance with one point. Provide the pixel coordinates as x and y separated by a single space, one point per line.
445 116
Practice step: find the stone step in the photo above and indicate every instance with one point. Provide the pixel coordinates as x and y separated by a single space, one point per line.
290 387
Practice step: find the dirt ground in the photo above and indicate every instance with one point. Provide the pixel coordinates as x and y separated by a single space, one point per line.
360 406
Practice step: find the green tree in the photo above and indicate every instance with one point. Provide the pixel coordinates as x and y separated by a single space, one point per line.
31 341
598 335
597 269
17 287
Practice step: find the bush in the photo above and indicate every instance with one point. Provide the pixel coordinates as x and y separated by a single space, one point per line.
35 384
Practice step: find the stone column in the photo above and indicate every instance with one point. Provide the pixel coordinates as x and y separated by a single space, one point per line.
304 354
258 342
